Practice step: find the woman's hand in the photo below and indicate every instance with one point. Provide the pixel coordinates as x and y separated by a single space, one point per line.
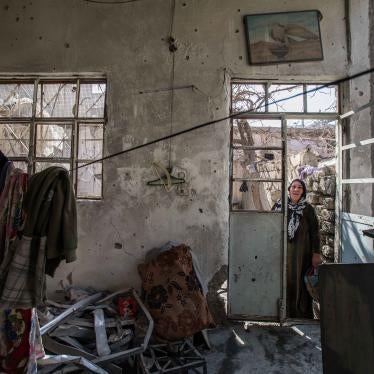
316 260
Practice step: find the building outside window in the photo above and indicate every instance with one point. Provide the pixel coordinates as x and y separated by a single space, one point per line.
281 124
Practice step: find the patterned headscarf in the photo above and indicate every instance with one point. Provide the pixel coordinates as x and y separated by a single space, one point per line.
295 216
295 210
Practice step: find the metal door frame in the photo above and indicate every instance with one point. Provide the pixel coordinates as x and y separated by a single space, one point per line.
282 315
283 149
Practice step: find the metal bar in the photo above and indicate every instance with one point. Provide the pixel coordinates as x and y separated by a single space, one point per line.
75 140
266 88
119 355
148 316
65 359
254 147
305 100
67 313
71 341
256 180
102 346
24 77
50 159
290 115
367 141
73 331
59 348
339 187
15 120
357 180
51 120
348 146
32 148
283 301
109 322
12 158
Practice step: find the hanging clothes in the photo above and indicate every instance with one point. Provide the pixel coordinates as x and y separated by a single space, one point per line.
51 213
11 214
15 324
49 236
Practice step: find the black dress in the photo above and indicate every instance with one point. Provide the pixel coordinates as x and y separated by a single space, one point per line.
299 258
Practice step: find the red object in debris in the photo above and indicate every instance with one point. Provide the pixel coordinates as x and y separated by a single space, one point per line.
127 306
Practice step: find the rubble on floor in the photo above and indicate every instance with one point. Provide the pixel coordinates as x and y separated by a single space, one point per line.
102 333
109 334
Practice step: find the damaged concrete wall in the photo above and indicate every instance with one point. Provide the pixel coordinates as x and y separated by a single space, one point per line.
128 42
358 162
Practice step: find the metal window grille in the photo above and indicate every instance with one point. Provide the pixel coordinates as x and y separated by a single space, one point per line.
46 121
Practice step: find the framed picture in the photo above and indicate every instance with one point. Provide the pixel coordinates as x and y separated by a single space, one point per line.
275 38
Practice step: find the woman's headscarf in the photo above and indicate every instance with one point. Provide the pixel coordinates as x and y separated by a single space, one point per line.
295 210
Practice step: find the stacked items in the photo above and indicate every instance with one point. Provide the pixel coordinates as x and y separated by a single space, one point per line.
98 333
322 184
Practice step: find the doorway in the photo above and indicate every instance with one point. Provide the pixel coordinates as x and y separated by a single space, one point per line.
288 132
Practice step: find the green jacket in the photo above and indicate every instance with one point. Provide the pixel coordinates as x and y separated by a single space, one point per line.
51 212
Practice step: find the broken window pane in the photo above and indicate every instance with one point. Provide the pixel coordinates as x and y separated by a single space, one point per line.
281 98
255 195
90 180
90 145
16 100
56 100
248 97
53 140
40 166
92 100
21 165
264 164
322 100
253 132
14 139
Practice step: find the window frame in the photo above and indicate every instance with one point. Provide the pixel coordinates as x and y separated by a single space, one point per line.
74 121
266 114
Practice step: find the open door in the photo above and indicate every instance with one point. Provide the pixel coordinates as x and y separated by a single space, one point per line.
256 232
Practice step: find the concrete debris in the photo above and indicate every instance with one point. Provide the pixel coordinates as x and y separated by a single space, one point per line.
101 333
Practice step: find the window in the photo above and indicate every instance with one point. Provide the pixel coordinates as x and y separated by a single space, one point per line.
51 121
277 114
284 98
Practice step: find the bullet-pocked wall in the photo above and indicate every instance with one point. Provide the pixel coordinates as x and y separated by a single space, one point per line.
129 42
358 161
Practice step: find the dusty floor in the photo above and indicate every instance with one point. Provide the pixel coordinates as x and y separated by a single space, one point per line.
265 350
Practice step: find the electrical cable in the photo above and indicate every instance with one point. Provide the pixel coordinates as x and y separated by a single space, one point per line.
231 116
110 2
172 78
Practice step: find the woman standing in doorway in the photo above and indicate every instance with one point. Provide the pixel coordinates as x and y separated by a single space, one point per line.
303 249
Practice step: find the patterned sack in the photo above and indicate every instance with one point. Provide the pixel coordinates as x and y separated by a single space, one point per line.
173 295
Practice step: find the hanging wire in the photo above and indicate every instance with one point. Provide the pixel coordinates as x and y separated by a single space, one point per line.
172 78
110 2
231 116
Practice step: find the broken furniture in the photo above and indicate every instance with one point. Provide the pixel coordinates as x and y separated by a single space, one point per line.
176 357
92 334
